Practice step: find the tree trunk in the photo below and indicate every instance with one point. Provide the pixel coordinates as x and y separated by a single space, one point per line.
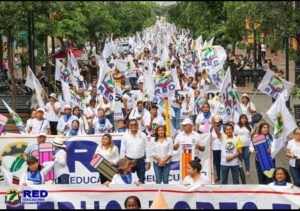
233 48
10 59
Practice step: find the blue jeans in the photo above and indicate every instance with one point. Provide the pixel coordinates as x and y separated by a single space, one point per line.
176 119
63 179
162 173
234 171
139 168
295 175
246 157
217 162
133 81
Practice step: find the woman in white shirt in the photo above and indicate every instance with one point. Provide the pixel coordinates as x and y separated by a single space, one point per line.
124 176
293 152
216 147
243 130
195 176
161 150
281 177
101 124
109 151
247 107
203 121
75 130
61 170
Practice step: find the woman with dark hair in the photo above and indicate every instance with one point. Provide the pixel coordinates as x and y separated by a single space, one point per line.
243 130
83 123
281 177
75 129
262 129
203 120
132 202
195 176
161 150
247 107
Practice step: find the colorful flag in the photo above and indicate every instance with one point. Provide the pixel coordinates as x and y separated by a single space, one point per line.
18 121
228 97
107 87
211 57
62 73
199 102
284 123
71 97
273 85
217 75
164 86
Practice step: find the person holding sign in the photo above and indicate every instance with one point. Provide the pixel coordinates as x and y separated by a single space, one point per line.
189 142
230 152
109 151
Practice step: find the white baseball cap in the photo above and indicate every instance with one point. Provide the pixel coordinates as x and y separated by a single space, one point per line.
67 106
187 121
40 109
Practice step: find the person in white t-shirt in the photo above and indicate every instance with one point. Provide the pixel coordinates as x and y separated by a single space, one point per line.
216 147
243 130
101 124
293 152
195 177
91 113
53 110
203 120
153 121
39 124
28 122
230 152
247 107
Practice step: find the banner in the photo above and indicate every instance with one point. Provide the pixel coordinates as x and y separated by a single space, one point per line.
211 57
231 197
80 151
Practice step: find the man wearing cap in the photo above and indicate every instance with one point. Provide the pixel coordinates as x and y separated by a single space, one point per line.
188 136
65 121
39 124
33 148
53 109
135 146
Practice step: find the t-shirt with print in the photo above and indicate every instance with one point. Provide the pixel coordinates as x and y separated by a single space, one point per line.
101 128
229 147
157 121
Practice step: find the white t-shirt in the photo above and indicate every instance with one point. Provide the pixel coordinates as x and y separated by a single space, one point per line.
52 116
39 126
192 138
245 110
103 128
157 121
244 134
134 114
216 143
188 180
229 147
204 124
60 163
294 147
89 112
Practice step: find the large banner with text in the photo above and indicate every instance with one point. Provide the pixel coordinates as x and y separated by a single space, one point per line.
176 196
80 151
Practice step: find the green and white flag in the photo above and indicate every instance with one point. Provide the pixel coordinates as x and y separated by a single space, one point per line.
18 121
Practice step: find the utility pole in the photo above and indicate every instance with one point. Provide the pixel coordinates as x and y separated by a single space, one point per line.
287 65
30 19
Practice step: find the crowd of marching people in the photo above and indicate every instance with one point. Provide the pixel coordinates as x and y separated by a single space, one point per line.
145 141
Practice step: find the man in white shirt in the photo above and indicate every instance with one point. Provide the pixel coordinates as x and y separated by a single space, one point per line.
135 146
53 110
39 124
91 113
188 136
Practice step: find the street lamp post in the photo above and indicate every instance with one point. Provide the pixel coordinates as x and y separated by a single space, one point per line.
30 19
287 65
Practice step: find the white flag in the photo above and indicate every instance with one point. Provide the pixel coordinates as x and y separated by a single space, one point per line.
273 85
284 123
73 65
62 73
227 93
66 92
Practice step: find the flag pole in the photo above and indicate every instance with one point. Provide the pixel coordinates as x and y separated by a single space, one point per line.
166 104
